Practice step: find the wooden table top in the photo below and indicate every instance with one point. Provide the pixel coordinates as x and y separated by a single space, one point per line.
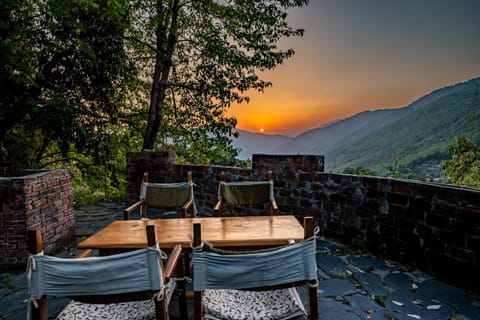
220 231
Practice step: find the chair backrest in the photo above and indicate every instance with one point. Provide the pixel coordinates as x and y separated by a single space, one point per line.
166 195
245 193
281 266
128 272
129 276
285 266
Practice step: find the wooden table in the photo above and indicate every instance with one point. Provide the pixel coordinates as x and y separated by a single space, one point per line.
224 232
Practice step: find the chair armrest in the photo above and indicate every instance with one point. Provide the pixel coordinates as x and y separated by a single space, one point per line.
174 258
186 206
217 210
133 207
273 207
85 253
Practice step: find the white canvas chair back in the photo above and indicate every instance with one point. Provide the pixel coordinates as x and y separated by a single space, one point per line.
282 266
130 284
133 271
267 279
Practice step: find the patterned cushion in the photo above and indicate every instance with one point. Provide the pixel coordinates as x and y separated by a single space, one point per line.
229 304
137 310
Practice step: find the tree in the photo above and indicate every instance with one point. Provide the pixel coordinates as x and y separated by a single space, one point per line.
203 56
79 77
464 166
359 170
66 74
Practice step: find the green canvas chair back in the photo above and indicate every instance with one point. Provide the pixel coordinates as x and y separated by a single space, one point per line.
246 193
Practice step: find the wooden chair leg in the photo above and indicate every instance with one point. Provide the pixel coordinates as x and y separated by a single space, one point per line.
40 313
182 294
197 305
313 302
197 295
161 309
35 245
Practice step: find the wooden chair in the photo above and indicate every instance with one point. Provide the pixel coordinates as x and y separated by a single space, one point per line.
177 196
132 285
256 284
245 193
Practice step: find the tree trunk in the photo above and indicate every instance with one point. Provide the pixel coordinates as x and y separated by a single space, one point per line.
165 44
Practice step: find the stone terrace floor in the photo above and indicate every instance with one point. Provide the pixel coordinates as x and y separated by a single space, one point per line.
351 286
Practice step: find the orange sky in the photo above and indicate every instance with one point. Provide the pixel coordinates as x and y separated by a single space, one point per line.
368 54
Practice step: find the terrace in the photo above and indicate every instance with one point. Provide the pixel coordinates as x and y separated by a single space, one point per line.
421 239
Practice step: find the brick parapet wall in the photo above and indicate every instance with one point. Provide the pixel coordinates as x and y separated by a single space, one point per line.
434 227
36 200
288 171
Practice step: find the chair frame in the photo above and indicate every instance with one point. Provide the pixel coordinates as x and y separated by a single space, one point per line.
308 226
272 205
173 264
142 204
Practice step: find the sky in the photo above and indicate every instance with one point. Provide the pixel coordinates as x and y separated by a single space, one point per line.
360 55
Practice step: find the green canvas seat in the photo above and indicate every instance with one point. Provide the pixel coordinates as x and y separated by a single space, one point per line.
176 199
246 193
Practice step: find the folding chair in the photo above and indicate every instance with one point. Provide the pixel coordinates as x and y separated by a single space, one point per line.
131 285
245 193
259 284
176 196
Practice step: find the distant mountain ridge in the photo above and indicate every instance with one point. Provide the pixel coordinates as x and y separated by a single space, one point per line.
256 143
373 139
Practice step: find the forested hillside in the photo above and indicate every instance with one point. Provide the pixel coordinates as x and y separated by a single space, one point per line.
325 139
413 137
419 138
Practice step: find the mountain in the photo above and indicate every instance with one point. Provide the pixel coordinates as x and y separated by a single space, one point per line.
420 136
415 134
325 139
250 143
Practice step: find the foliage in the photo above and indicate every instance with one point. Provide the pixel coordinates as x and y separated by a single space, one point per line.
359 170
464 166
78 77
201 56
6 280
72 81
393 170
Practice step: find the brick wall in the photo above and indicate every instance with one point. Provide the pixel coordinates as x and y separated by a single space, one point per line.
36 200
434 227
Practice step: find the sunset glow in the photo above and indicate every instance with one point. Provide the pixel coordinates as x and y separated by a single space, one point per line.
364 55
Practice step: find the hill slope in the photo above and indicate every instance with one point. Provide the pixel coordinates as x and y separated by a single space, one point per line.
414 134
324 139
251 143
420 135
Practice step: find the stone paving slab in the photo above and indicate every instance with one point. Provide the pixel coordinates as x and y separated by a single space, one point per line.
372 283
333 266
351 287
367 263
398 281
336 287
366 308
336 310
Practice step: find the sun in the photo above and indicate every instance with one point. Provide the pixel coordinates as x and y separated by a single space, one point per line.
262 130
